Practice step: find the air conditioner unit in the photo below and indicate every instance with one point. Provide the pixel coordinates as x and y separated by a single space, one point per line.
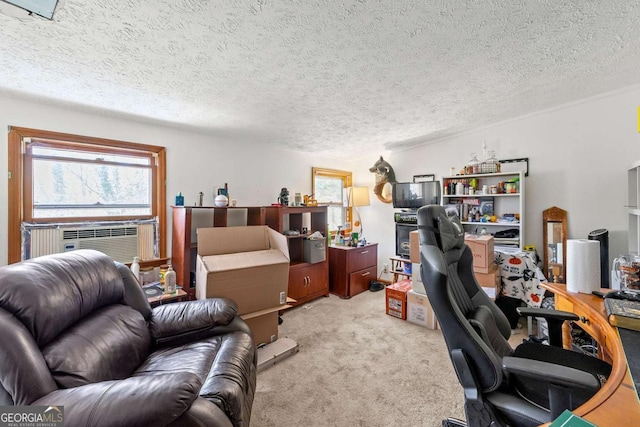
120 241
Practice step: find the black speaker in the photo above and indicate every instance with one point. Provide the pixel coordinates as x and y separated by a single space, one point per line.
403 246
602 236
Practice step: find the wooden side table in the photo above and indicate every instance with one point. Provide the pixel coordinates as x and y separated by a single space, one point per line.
178 295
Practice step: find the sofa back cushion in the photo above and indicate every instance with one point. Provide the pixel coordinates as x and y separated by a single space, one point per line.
108 344
50 293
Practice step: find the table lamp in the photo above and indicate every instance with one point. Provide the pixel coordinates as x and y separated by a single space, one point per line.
358 196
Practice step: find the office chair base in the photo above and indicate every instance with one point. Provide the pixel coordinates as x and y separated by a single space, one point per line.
453 422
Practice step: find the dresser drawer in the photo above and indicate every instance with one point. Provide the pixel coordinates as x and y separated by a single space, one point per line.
362 258
360 280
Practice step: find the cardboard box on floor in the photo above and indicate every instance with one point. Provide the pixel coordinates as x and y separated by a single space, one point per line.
416 279
264 324
482 249
249 265
396 298
414 247
419 310
275 352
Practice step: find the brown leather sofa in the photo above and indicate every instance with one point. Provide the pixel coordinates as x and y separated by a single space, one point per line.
77 330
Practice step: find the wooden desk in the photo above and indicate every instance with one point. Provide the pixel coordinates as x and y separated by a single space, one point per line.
616 404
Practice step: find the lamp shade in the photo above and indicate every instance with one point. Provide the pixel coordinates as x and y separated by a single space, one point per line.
358 196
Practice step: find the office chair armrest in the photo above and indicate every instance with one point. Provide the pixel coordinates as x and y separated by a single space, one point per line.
550 372
547 313
554 318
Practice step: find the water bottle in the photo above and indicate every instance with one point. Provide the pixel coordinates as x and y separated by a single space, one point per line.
135 268
170 280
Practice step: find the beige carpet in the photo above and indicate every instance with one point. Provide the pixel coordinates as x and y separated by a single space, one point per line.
357 366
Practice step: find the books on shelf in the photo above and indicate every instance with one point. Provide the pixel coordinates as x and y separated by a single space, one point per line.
623 313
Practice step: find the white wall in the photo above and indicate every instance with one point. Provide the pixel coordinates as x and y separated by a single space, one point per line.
196 162
578 156
578 159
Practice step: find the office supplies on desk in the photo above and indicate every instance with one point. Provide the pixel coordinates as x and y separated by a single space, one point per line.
623 313
569 419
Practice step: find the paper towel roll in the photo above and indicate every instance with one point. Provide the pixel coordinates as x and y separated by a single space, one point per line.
583 265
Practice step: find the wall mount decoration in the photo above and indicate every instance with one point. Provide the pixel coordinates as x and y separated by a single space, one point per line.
385 178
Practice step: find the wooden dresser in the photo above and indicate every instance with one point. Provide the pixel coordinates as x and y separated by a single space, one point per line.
616 404
352 269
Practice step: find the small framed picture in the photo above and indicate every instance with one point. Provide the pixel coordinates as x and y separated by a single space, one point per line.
424 178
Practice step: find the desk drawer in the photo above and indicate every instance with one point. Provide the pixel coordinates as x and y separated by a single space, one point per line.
362 258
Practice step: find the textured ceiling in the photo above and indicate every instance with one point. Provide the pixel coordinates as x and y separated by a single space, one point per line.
321 76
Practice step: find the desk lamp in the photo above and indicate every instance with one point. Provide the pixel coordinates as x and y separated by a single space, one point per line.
358 196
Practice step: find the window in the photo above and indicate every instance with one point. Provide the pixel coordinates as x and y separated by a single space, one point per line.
329 190
58 177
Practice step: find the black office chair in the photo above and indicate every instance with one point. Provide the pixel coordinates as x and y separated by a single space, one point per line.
526 386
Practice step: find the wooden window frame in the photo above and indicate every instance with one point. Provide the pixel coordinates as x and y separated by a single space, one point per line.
20 181
347 180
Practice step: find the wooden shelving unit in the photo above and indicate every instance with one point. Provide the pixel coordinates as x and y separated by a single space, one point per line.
503 203
307 281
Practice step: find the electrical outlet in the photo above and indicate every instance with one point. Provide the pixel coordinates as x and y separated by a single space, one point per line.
385 268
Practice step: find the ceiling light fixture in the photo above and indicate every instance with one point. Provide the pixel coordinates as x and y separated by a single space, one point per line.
44 8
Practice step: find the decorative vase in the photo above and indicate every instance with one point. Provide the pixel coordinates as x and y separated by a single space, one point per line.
221 201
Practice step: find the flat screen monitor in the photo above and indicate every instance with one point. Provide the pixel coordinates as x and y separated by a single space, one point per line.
413 195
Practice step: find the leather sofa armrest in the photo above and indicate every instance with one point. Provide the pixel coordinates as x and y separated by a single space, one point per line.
136 401
181 322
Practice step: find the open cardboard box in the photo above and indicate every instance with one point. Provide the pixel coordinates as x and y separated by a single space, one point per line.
264 324
248 264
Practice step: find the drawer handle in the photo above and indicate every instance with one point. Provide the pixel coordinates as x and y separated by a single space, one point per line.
585 320
366 273
364 252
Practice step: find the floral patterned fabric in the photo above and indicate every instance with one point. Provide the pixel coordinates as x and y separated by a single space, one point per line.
520 276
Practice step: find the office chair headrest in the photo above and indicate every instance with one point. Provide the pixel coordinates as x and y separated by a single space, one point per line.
448 230
451 232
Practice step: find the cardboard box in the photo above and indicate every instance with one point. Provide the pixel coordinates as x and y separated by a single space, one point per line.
273 353
396 298
490 282
414 247
416 280
419 310
264 324
249 265
482 249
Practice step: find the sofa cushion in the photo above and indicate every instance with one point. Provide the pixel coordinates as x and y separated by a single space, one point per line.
49 294
225 365
109 344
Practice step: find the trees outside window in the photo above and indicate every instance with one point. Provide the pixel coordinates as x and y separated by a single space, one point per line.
56 177
329 186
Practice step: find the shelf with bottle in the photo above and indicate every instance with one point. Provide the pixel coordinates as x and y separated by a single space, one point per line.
494 184
491 201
